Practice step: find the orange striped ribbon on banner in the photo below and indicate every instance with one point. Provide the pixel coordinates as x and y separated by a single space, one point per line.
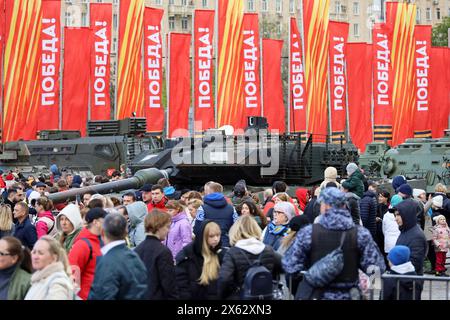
230 71
316 19
21 74
401 18
130 86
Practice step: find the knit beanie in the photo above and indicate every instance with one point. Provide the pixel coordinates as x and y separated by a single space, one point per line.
287 208
351 167
399 255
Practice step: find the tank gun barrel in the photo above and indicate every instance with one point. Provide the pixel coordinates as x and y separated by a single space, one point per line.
140 178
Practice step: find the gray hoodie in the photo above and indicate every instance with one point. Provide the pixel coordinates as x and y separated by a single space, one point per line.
136 213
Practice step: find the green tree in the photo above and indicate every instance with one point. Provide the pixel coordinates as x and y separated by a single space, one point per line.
440 33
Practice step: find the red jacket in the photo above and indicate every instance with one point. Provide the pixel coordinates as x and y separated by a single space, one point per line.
270 204
160 205
79 257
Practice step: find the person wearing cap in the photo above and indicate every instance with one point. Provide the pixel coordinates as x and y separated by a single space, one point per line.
390 227
315 241
41 187
406 192
397 181
354 183
239 193
86 249
441 239
410 233
400 264
441 190
69 224
278 228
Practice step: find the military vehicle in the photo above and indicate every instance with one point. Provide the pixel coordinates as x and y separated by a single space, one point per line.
419 159
140 178
108 145
256 156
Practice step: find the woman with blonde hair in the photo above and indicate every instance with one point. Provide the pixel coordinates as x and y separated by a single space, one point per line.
198 264
6 221
246 248
52 277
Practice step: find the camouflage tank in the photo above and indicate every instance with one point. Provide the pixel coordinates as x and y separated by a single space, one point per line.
422 159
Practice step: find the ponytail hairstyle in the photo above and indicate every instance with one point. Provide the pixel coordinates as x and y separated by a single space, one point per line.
211 264
46 203
57 249
15 248
6 220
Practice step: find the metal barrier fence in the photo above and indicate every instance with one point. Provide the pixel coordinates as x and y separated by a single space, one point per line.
433 288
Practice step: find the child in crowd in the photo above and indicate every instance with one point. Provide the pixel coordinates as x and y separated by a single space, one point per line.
441 234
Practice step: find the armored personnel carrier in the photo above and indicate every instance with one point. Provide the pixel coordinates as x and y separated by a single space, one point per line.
420 159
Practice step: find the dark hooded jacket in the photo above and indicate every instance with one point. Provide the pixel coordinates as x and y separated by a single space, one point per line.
216 208
368 211
189 266
355 183
411 235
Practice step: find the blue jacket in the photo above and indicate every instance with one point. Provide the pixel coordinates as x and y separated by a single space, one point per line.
119 275
368 211
26 233
217 209
411 235
274 235
297 257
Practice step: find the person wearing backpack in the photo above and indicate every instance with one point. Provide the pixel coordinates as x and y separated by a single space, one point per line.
45 223
316 241
86 248
249 266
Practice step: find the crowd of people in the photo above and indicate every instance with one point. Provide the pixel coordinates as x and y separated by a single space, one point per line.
163 243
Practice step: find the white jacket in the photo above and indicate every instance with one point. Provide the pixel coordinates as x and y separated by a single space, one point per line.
51 283
390 230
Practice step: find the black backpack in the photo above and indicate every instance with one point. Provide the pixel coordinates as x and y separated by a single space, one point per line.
258 281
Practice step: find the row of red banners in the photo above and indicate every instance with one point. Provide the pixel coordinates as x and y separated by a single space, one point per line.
403 79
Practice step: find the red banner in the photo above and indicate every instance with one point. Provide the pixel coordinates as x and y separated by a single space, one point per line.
338 82
230 70
422 119
22 64
179 84
439 89
359 76
153 74
315 22
251 57
2 45
50 46
297 94
203 70
130 83
76 79
273 85
401 18
382 83
101 19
